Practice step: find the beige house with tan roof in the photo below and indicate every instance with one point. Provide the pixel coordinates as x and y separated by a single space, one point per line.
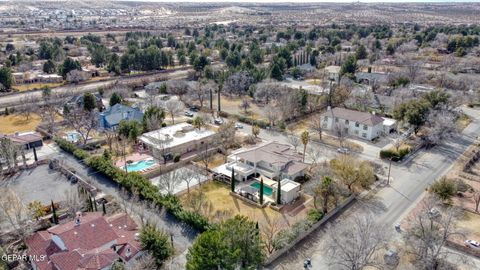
271 159
364 125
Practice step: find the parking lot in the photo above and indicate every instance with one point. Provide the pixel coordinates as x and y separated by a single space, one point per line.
40 183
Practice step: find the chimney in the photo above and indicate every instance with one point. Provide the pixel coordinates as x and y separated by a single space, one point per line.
78 218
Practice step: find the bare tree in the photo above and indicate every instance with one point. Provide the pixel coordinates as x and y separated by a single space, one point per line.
82 121
169 181
28 106
442 125
340 133
76 76
429 232
476 199
237 84
316 125
272 114
269 233
244 105
355 245
145 262
226 134
294 141
110 135
13 211
74 202
174 107
204 155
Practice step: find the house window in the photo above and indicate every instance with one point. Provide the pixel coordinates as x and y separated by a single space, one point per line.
364 135
356 132
357 124
365 127
336 120
346 122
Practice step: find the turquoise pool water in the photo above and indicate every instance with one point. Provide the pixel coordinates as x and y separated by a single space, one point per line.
140 165
266 189
73 137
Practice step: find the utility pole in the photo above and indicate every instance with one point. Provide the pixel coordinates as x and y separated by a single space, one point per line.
389 167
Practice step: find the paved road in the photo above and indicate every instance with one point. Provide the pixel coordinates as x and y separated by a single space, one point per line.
16 99
391 203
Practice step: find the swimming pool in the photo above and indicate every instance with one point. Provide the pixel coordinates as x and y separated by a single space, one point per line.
266 189
141 165
72 136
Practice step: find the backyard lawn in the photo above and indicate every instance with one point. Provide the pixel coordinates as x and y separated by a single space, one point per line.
18 123
221 203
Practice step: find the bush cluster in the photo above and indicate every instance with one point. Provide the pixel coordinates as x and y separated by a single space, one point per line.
393 154
135 182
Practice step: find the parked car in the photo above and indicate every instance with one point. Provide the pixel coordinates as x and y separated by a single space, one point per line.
343 150
189 114
238 126
472 244
434 213
218 121
194 109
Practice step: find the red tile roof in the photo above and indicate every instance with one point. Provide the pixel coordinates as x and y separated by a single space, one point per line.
88 244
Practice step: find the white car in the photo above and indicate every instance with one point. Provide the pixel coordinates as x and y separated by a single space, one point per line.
343 150
238 126
472 244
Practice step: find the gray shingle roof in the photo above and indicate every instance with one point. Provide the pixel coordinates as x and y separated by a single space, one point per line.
355 116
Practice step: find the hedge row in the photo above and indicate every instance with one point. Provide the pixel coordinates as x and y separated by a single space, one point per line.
395 155
133 181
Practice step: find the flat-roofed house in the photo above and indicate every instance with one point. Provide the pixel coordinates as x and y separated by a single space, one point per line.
177 139
364 125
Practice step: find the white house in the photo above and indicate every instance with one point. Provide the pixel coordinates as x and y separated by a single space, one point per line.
271 159
364 125
177 139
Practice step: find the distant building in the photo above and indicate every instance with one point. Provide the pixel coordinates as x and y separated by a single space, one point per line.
364 125
78 101
333 73
27 139
111 117
90 241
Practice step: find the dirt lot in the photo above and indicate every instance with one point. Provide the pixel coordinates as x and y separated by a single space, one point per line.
223 205
33 86
18 123
231 106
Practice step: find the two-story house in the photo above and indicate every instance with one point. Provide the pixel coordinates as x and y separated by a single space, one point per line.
111 117
272 159
364 125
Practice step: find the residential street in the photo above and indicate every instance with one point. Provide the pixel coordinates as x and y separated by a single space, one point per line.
391 203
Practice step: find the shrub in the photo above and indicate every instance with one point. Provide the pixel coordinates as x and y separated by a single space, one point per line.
444 188
133 181
176 158
393 154
314 215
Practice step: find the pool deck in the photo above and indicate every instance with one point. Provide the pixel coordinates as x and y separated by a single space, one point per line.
134 158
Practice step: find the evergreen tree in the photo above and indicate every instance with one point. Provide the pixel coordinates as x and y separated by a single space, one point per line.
89 102
115 99
104 210
276 72
261 190
279 192
157 242
54 213
361 52
6 78
232 182
49 67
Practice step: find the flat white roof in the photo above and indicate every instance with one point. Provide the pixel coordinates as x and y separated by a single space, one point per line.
175 135
388 121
